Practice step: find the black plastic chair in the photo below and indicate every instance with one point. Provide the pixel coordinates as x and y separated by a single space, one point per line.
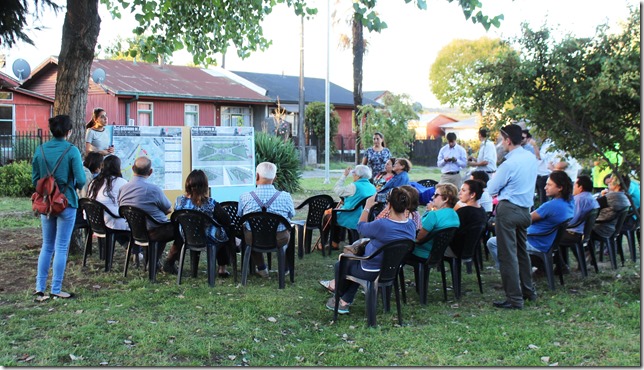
554 251
194 226
631 230
393 254
263 226
304 228
95 214
352 234
137 220
428 183
375 211
235 231
442 238
82 226
582 243
469 236
609 242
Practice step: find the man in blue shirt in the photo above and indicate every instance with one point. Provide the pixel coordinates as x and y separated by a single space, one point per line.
514 184
584 203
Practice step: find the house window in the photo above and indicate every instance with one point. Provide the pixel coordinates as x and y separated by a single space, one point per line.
6 95
235 116
191 115
6 120
144 114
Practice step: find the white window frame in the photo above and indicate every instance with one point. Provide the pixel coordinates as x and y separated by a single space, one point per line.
236 116
12 120
140 111
188 113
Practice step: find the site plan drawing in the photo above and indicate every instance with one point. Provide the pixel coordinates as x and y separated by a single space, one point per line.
225 154
161 144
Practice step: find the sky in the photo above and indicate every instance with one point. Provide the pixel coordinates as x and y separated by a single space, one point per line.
398 59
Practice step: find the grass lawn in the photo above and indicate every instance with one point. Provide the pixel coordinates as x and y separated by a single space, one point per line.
117 321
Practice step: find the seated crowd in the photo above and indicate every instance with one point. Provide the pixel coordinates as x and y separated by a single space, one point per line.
399 218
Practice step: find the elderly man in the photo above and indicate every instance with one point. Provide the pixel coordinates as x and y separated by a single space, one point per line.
451 158
140 193
275 201
611 203
514 184
486 159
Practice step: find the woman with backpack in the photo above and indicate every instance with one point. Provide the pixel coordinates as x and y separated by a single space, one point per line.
57 229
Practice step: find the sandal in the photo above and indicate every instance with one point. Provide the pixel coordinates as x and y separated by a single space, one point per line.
327 285
62 295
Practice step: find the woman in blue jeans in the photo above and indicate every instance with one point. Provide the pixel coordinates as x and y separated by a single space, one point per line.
57 230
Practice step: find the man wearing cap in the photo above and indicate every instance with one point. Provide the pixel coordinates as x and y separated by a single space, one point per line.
486 159
451 158
514 185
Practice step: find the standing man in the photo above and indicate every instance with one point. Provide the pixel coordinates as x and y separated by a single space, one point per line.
486 159
451 158
140 193
265 195
514 184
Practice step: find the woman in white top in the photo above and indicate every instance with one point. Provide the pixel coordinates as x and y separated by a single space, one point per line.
97 138
105 189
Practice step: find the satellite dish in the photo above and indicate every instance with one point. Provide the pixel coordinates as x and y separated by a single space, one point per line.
98 76
21 69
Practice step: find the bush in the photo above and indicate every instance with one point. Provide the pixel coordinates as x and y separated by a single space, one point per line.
283 154
15 180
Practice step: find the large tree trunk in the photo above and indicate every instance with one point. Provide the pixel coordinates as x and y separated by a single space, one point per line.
80 33
358 53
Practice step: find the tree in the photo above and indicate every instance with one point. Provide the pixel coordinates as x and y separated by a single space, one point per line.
583 93
364 16
392 122
14 15
204 27
455 74
314 121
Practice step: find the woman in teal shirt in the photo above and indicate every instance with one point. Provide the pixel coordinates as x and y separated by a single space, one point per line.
440 215
57 230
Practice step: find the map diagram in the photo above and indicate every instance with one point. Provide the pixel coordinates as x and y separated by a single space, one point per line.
225 154
161 144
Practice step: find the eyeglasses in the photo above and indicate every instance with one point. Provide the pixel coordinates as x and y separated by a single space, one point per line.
524 137
437 195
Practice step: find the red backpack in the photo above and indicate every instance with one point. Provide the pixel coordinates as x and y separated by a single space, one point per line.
48 200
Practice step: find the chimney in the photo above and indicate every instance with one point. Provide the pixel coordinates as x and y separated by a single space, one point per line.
160 59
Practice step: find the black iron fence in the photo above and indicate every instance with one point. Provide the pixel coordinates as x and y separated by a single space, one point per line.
21 146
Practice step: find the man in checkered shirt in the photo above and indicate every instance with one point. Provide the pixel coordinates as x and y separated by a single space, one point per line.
278 202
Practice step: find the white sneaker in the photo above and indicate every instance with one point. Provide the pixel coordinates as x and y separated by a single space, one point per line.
263 273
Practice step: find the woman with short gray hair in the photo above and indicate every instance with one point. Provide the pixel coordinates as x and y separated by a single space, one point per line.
352 193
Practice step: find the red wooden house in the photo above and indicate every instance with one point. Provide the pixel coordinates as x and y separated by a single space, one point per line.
20 109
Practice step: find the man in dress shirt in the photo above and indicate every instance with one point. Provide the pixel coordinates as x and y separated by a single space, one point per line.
451 158
513 183
584 203
486 159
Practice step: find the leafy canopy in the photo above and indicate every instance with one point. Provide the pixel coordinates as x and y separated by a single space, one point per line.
583 93
391 121
203 27
314 121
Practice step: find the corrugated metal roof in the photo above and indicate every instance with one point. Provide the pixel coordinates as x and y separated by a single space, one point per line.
170 81
287 89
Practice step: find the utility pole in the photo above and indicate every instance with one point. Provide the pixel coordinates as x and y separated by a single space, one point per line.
300 115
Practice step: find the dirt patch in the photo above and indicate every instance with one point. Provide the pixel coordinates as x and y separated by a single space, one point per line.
19 250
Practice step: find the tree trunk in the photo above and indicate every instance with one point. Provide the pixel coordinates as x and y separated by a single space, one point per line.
80 33
358 53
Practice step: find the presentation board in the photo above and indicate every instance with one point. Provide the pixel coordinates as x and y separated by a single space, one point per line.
227 156
163 145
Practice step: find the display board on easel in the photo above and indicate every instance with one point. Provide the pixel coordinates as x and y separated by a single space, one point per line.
227 156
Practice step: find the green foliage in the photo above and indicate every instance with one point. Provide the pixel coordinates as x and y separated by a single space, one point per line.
583 93
455 74
16 16
391 121
314 121
15 179
284 155
202 27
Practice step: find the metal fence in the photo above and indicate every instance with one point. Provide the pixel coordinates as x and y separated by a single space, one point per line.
21 146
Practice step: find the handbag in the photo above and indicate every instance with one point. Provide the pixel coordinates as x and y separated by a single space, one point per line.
357 248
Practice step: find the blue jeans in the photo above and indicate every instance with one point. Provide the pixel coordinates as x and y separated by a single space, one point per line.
56 235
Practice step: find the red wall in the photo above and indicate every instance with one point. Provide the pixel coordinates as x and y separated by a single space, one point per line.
30 113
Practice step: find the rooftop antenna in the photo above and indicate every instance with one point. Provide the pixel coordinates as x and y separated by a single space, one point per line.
21 69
